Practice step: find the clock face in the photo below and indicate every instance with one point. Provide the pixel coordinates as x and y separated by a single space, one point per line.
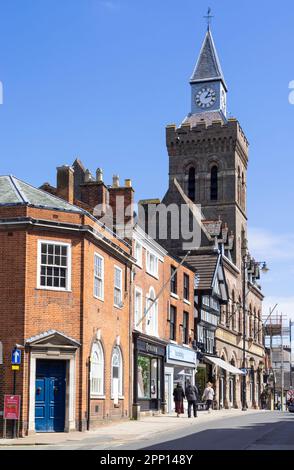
205 98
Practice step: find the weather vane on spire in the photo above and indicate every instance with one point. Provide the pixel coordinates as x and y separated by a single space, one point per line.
208 18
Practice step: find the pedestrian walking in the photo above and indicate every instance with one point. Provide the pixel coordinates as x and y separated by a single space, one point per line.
263 400
208 395
179 396
192 394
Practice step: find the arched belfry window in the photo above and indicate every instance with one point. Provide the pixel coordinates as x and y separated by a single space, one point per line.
191 184
214 183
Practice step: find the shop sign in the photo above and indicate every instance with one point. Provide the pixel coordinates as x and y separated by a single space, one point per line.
151 348
179 354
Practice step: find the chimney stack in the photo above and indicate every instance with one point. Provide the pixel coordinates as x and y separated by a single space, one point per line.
65 183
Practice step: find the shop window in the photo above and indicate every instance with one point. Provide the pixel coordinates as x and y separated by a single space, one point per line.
148 377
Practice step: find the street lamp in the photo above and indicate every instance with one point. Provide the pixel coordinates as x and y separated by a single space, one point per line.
246 263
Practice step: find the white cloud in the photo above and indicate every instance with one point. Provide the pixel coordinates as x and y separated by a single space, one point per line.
268 246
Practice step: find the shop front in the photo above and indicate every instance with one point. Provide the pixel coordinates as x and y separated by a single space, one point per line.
149 355
180 367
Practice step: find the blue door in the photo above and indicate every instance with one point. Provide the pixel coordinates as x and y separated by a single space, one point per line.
50 396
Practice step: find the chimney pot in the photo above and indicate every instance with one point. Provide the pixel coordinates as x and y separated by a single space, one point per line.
99 175
88 176
115 181
128 183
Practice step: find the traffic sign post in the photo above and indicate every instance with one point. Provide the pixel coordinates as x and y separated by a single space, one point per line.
16 357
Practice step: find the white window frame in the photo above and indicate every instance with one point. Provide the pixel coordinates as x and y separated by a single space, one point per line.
101 365
120 288
97 255
152 316
68 267
140 257
154 272
139 317
120 377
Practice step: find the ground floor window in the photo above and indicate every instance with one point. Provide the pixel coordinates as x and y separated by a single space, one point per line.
183 375
148 377
116 373
97 370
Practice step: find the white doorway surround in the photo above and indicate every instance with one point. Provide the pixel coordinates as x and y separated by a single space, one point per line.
53 345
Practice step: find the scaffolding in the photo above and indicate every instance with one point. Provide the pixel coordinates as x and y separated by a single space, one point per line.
277 337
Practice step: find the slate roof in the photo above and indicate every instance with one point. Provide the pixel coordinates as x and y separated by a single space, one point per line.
206 117
16 192
208 65
205 265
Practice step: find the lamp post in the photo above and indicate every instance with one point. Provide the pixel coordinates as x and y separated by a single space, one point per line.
245 264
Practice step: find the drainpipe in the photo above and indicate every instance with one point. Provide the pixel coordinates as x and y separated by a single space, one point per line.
89 395
131 357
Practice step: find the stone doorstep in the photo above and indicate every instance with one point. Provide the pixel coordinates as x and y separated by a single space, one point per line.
112 431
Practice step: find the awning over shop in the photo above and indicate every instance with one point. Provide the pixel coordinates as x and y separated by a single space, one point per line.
224 365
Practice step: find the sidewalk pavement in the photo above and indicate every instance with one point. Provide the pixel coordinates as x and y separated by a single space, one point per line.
127 430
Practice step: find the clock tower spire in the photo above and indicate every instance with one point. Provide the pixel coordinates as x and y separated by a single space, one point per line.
208 86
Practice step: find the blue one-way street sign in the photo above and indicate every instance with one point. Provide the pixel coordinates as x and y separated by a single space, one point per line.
16 356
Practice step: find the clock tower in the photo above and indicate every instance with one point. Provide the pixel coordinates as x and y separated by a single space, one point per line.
208 86
208 152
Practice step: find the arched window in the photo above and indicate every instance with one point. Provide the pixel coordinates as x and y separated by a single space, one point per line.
152 317
239 186
97 370
191 184
233 311
116 373
214 183
240 316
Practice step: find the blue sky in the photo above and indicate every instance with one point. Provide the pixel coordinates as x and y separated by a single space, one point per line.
101 79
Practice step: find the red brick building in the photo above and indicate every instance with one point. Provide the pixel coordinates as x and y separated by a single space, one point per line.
65 283
73 294
163 294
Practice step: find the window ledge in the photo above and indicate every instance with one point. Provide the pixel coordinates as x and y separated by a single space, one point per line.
53 289
187 302
120 398
98 298
119 307
175 296
152 275
172 341
97 397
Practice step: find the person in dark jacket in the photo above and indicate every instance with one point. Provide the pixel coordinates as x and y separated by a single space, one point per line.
192 397
179 396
